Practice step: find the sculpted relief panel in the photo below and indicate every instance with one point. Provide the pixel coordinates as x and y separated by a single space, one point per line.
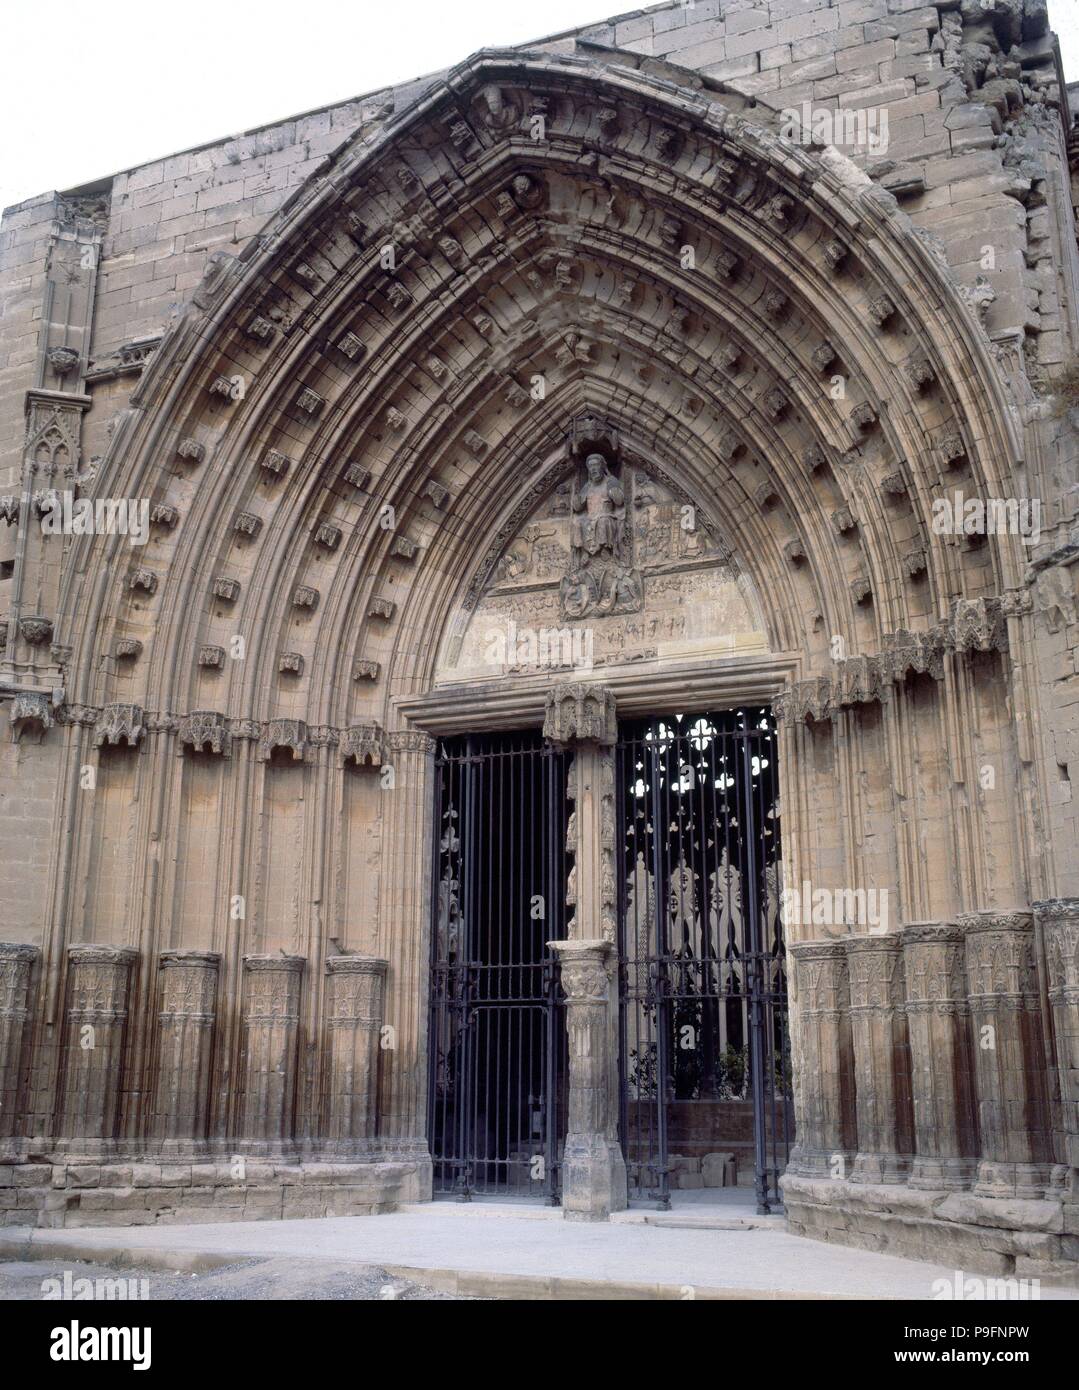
611 568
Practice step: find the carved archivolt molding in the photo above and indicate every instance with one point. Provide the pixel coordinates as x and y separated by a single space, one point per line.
450 271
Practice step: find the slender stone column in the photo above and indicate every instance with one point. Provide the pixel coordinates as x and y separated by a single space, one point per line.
99 985
16 964
1009 1052
881 1060
184 1050
942 1062
355 1016
580 716
593 1173
824 1064
271 1036
1059 922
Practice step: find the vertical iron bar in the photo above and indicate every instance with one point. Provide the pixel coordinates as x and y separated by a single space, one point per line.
754 983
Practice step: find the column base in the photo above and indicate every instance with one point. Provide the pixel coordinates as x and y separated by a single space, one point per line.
593 1178
1029 1180
942 1174
831 1164
880 1168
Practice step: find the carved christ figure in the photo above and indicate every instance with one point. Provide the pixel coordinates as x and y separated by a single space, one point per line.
600 580
599 512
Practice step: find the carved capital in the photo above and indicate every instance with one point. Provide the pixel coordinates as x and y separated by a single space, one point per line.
579 712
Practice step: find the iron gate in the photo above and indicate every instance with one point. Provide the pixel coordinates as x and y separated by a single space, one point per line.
496 1116
705 1057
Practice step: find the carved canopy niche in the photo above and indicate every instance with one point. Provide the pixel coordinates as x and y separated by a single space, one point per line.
614 564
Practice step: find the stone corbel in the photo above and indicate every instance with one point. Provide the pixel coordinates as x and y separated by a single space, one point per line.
362 744
30 708
283 733
204 729
120 723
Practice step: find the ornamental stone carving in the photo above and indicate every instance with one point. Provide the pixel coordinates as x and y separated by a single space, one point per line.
601 579
98 988
271 1022
16 967
354 1020
1013 1105
362 745
188 1011
35 631
204 730
825 1119
594 1173
577 712
942 1056
120 724
1058 919
283 733
883 1105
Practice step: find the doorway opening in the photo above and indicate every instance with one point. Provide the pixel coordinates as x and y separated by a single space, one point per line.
497 1041
706 1097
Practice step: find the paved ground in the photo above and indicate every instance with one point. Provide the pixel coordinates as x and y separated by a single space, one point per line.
246 1279
506 1251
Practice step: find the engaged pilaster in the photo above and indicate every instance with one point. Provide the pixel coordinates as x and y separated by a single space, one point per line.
16 965
593 1172
942 1062
1059 922
355 985
186 1019
881 1060
1013 1107
824 1065
271 1036
99 984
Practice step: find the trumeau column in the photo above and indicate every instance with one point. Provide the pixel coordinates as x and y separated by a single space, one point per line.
353 1022
1059 922
824 1064
16 966
99 984
881 1059
581 718
942 1064
182 1080
271 1037
593 1171
1009 1051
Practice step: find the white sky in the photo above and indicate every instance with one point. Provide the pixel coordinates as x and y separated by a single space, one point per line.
89 89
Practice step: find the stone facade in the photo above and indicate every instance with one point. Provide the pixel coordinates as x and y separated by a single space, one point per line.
644 332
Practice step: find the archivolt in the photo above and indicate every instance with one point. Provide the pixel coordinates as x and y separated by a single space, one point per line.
656 258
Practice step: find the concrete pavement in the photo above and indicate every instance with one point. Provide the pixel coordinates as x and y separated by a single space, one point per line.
501 1250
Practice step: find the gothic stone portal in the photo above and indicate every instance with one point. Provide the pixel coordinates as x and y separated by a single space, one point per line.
344 463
